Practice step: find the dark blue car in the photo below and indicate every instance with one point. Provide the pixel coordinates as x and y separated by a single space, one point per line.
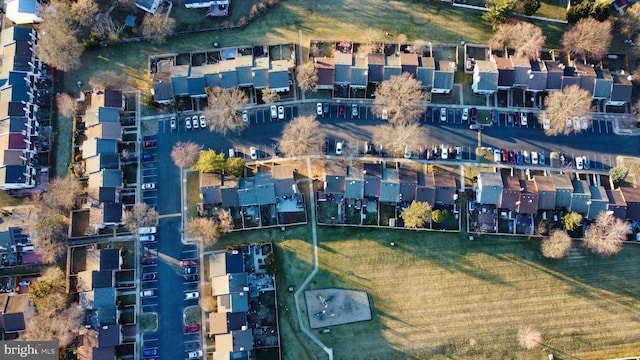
150 352
495 116
519 157
147 157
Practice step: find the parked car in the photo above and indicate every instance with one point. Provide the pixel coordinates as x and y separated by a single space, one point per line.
147 293
325 108
496 155
149 144
325 147
458 152
148 186
368 149
504 156
274 111
195 354
495 116
253 152
569 122
512 156
191 295
510 117
150 352
149 276
187 123
474 115
527 157
429 154
385 114
245 116
190 270
476 127
354 110
203 121
443 114
341 110
191 328
465 114
191 278
173 123
534 158
584 123
188 262
519 158
586 161
280 112
546 124
579 163
542 160
195 122
524 119
147 238
444 155
319 111
576 123
146 230
407 152
339 148
516 120
147 157
147 260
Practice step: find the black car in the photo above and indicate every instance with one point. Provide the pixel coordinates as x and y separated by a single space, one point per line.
191 278
474 115
149 276
369 148
191 270
325 108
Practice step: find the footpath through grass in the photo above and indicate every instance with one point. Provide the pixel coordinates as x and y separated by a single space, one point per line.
440 295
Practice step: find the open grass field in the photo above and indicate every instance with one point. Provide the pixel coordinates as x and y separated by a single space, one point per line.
339 19
443 296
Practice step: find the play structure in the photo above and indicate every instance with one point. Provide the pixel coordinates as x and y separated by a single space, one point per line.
329 307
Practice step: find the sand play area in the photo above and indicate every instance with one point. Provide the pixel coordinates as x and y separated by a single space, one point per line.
329 307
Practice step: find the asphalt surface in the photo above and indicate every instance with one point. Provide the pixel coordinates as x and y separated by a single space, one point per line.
598 142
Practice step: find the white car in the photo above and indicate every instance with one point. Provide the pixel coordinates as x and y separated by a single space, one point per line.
534 158
526 157
576 122
385 114
173 123
191 295
584 122
145 238
148 186
354 110
443 114
187 123
569 123
274 111
319 109
245 116
407 152
465 114
195 354
339 148
546 124
147 230
195 122
524 120
254 153
281 112
203 121
496 155
445 152
579 163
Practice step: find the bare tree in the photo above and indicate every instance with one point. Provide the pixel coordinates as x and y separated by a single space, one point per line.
106 80
300 137
185 154
394 138
529 338
525 38
402 39
606 234
630 21
373 42
570 103
401 97
139 215
418 46
57 42
589 38
63 194
557 245
417 215
225 221
105 26
157 27
61 326
208 302
205 228
222 110
307 77
48 233
84 12
67 106
269 96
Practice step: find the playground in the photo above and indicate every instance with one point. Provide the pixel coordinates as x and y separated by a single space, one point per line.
330 307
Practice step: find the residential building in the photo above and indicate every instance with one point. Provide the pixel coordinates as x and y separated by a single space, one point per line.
443 77
598 203
617 205
506 72
529 198
489 190
510 192
580 197
376 63
15 311
603 84
621 90
445 188
426 71
23 11
546 192
325 71
522 70
485 77
564 189
149 6
631 197
555 71
537 77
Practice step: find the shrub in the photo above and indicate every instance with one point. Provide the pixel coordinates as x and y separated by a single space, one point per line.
531 6
93 42
578 12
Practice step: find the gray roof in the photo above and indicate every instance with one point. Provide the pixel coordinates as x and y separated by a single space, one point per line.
196 86
375 63
359 77
554 75
162 92
485 77
489 188
261 78
580 197
95 146
211 195
522 68
617 204
599 201
230 197
564 188
279 80
445 188
335 184
546 193
538 78
443 76
602 88
354 189
622 87
389 192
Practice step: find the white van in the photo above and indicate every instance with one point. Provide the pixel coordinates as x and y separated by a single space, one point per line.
148 238
147 293
147 230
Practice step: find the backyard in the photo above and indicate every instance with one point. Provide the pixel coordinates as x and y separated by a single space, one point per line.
441 295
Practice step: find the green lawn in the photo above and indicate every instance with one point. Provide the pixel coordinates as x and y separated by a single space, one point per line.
193 193
441 296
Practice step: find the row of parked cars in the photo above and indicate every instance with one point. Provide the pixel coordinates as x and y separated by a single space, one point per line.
519 157
196 354
195 122
323 109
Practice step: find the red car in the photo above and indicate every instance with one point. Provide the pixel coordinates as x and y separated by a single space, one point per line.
517 121
504 156
341 110
191 328
512 156
187 263
149 144
148 261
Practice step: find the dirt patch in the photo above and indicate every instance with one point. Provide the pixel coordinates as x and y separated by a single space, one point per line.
330 307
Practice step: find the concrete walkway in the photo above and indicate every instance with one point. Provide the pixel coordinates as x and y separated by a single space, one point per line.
298 294
482 8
